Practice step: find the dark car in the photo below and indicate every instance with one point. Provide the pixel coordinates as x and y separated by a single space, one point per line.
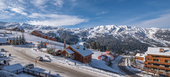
39 58
29 66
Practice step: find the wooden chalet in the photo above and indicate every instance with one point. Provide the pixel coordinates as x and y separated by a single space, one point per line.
15 29
79 53
12 29
43 35
36 33
68 53
140 56
157 60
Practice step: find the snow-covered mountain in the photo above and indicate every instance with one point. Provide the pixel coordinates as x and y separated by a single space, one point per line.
124 34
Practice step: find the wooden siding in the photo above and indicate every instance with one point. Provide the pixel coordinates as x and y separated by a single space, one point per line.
139 58
40 34
159 64
79 57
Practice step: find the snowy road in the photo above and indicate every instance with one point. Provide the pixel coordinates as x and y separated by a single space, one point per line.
63 71
123 68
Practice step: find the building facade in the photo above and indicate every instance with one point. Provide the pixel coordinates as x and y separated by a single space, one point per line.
157 60
80 53
43 35
15 29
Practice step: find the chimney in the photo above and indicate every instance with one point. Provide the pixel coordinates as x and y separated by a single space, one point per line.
161 50
77 47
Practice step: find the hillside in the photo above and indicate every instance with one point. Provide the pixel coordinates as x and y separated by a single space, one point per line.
117 38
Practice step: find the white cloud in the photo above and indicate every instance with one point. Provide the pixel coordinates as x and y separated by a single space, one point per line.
11 9
2 5
12 6
162 21
58 3
55 19
18 10
21 1
102 13
38 2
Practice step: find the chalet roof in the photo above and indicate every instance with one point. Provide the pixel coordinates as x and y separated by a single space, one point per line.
84 53
12 68
3 40
10 27
69 51
140 55
155 51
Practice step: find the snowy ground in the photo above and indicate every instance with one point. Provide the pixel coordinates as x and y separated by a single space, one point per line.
62 61
128 66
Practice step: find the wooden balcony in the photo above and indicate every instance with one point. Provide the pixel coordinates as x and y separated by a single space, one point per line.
152 66
150 61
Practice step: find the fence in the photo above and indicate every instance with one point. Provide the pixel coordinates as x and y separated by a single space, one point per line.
34 73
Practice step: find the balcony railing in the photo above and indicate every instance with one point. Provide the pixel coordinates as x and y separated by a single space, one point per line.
151 61
153 66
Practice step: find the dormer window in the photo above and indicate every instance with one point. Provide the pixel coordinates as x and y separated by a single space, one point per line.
161 50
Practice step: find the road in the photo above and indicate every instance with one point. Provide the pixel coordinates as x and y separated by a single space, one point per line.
123 68
63 71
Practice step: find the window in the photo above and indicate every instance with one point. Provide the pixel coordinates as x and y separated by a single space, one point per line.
80 56
166 61
156 60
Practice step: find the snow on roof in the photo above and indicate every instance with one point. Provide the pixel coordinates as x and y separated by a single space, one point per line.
4 73
12 68
155 51
10 38
140 55
69 51
84 53
3 40
10 27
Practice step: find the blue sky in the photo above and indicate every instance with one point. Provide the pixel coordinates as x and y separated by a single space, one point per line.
87 13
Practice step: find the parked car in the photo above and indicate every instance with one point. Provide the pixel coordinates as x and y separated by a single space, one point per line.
39 58
29 66
2 50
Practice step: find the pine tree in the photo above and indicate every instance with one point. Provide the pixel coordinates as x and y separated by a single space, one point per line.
23 39
17 41
41 44
123 51
98 46
20 40
87 46
91 45
108 48
94 45
135 53
13 41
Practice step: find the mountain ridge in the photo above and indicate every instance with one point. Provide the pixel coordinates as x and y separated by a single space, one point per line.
122 33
